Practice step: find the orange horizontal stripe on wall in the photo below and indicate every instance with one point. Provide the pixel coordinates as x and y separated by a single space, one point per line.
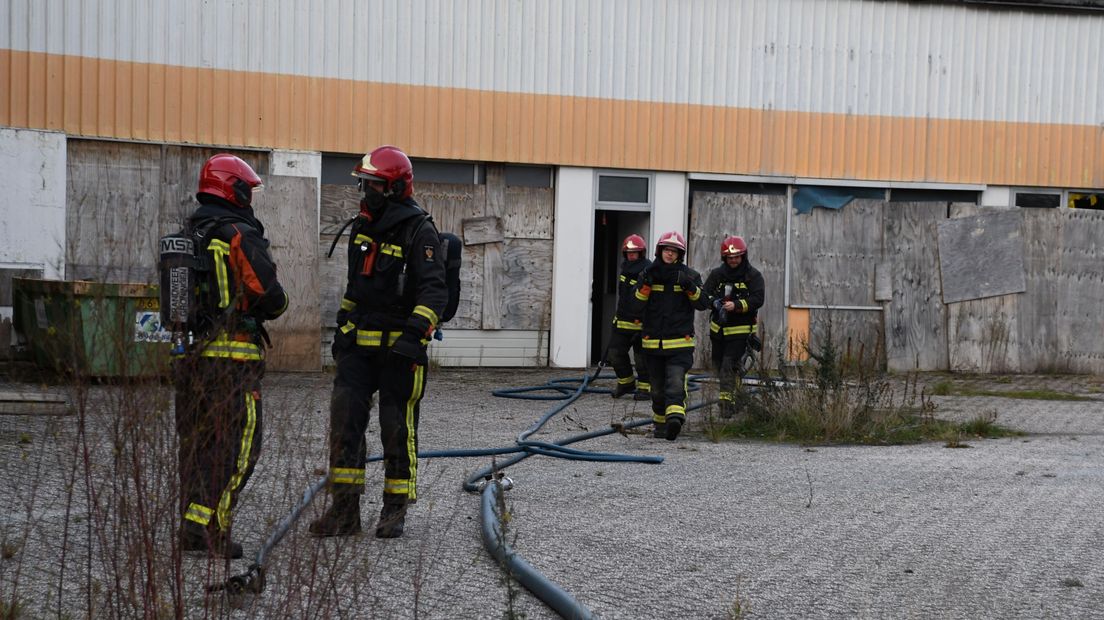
126 100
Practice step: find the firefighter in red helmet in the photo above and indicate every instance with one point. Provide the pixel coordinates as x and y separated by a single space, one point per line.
737 291
625 334
394 294
666 296
218 376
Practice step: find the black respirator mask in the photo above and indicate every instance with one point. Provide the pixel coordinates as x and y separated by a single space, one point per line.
373 201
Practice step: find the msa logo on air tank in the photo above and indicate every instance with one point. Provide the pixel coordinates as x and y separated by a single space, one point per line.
173 244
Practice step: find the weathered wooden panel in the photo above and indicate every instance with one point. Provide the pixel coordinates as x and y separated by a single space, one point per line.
856 334
1037 307
493 281
530 212
288 209
527 284
982 335
915 317
338 204
479 230
451 204
112 198
833 254
180 166
493 297
1080 291
761 220
981 256
469 312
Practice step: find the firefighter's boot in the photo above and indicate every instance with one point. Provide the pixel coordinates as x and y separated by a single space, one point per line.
222 546
728 409
341 519
391 521
193 537
196 538
621 389
659 431
674 426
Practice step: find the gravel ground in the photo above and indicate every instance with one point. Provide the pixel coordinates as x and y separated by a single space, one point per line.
1009 528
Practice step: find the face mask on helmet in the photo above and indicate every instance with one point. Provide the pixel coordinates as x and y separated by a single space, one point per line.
246 195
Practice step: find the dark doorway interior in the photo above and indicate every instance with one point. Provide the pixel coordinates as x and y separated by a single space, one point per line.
610 228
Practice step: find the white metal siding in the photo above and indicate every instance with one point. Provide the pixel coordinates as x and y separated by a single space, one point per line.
839 56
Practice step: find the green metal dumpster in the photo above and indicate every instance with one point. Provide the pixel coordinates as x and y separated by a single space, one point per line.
91 329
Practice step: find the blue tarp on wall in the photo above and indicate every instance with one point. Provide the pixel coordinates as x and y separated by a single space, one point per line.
807 197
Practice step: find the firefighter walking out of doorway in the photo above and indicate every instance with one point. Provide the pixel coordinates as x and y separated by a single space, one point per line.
625 333
666 296
394 295
218 377
737 291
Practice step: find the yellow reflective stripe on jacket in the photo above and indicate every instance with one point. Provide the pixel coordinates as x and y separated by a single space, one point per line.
198 513
642 295
427 313
346 475
669 343
624 279
224 347
221 250
631 325
368 338
362 239
695 295
347 304
245 450
391 250
733 330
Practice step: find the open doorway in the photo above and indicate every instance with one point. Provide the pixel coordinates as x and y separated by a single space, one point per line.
610 228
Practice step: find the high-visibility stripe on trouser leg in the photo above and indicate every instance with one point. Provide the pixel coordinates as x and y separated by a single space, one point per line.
244 453
347 475
412 431
198 513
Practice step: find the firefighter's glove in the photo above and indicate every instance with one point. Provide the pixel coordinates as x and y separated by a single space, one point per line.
407 349
686 282
718 305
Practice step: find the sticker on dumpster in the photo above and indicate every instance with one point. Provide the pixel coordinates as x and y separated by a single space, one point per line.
40 313
147 327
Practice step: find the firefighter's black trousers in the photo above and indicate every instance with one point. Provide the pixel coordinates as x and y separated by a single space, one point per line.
361 372
728 360
621 341
218 426
668 373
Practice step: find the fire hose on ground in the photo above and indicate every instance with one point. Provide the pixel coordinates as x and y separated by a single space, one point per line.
491 483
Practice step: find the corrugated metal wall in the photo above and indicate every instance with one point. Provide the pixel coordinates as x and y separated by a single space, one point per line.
824 88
